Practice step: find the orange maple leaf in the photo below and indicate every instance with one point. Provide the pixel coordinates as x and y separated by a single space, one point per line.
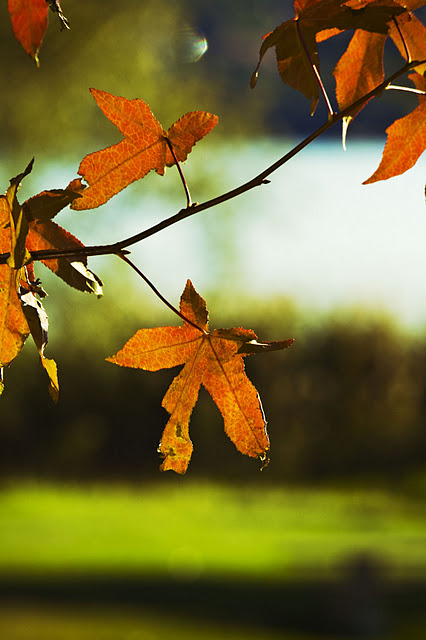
213 359
296 40
143 148
406 139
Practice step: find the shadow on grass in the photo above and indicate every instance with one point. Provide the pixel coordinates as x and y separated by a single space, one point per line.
359 604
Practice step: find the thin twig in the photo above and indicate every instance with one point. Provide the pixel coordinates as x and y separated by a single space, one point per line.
168 304
261 178
401 35
179 168
315 70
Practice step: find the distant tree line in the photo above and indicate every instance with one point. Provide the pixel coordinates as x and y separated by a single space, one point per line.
347 404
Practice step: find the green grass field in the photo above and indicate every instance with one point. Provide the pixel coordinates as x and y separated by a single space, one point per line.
186 534
176 528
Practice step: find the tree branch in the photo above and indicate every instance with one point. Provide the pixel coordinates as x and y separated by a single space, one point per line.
258 180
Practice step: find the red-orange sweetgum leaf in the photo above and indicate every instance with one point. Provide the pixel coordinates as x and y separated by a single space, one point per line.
143 148
49 235
414 34
406 139
317 20
29 23
214 360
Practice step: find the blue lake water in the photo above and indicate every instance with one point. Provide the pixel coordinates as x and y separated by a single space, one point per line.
315 233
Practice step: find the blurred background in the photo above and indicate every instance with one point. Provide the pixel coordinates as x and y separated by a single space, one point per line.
330 539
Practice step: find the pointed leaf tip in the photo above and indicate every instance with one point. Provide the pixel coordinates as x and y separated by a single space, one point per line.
253 79
406 139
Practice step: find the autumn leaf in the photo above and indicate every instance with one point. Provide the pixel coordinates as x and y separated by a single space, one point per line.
213 359
29 22
296 41
14 328
21 313
24 229
292 44
359 71
406 139
44 234
144 147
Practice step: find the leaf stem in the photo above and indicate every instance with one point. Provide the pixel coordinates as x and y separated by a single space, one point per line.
315 70
401 35
179 168
261 178
123 256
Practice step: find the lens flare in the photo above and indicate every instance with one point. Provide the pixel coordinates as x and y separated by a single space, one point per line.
191 44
